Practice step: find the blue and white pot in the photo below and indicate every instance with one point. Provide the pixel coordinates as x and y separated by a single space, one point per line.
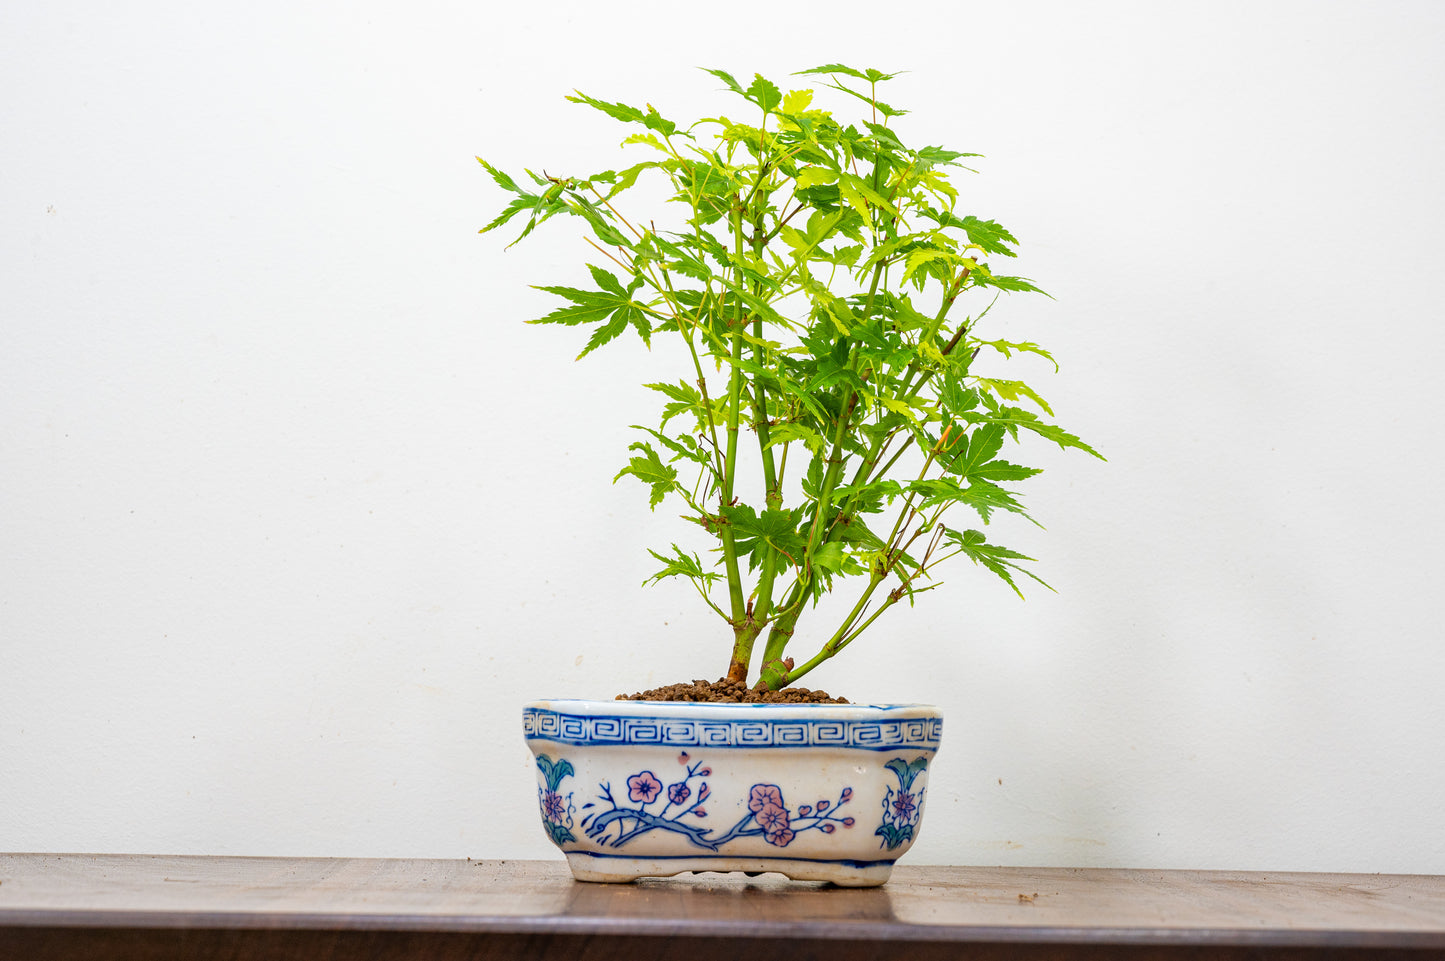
818 792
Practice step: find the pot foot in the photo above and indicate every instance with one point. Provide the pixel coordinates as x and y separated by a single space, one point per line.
607 869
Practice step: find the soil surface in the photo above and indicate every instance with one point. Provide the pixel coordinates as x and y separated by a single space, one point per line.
734 692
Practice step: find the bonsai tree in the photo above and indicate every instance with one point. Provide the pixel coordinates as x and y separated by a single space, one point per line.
830 295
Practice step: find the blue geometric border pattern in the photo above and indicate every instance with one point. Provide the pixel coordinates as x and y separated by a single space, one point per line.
919 733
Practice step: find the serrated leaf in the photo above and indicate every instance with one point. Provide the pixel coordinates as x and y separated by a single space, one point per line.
794 238
685 398
797 101
628 114
541 207
606 332
680 565
866 189
605 280
842 316
685 258
831 68
899 407
983 444
684 448
992 237
813 176
1016 417
764 93
886 138
982 277
1008 347
956 398
645 138
1000 560
1013 390
624 179
812 484
872 497
833 557
937 184
985 498
726 78
853 530
519 204
790 431
1000 470
878 105
776 529
937 155
503 181
650 469
613 308
923 255
605 231
587 307
849 192
982 496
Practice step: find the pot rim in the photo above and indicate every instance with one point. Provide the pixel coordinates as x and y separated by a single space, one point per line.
592 707
691 725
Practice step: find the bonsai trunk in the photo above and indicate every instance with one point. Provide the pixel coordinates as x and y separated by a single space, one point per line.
745 633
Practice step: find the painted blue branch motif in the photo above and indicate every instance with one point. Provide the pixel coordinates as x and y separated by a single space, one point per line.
649 805
902 808
557 810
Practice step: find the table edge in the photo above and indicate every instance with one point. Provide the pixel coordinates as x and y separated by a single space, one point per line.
830 930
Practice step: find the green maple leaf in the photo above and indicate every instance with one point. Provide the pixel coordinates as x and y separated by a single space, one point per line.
680 565
764 93
612 307
1000 560
992 237
777 529
650 469
983 443
621 111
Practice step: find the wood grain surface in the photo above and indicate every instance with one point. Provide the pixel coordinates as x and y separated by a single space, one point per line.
152 907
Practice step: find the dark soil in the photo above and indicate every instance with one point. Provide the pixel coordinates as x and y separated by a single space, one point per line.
735 692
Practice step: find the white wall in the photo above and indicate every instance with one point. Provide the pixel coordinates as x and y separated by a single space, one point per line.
295 512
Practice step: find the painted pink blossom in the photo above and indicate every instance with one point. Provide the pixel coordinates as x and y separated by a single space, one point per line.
552 806
763 795
679 792
780 838
903 806
643 787
772 818
804 810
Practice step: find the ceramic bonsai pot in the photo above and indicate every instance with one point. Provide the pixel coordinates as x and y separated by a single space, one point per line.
631 789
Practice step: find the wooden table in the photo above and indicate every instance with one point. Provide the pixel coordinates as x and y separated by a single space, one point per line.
107 907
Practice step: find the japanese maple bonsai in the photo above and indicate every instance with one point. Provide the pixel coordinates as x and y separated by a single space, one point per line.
830 289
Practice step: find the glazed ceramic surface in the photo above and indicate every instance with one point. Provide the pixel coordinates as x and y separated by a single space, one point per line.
631 789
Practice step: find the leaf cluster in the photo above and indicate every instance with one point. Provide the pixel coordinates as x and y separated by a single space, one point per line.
818 272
